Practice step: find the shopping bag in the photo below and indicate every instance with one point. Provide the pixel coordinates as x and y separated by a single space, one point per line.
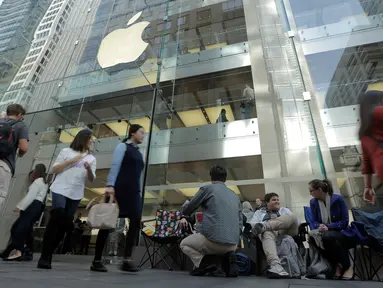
104 215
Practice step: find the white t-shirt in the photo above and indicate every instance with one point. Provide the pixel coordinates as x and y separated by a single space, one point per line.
71 182
37 191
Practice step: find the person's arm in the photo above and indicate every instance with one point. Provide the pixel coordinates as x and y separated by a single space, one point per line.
240 218
30 197
367 170
315 222
257 218
118 156
196 201
61 164
91 170
342 224
23 141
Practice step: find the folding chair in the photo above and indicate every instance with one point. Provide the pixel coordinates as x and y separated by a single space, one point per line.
373 248
165 241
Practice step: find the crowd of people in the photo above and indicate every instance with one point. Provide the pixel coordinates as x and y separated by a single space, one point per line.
223 214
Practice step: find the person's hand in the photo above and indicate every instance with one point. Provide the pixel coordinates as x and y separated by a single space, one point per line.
323 227
109 191
184 223
369 195
16 210
87 166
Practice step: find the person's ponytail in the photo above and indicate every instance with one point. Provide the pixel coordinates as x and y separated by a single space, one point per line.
329 190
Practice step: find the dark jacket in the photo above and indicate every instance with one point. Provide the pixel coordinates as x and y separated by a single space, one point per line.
338 213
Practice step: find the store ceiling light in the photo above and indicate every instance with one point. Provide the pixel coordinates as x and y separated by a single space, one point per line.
101 191
192 118
190 192
67 135
120 128
144 122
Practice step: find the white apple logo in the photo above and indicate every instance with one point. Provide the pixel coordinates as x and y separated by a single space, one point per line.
123 45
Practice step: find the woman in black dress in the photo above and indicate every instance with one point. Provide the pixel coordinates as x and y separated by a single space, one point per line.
124 182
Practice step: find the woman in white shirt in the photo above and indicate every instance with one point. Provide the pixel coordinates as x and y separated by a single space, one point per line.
30 208
73 166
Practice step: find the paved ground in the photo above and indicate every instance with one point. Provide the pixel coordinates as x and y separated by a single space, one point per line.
70 271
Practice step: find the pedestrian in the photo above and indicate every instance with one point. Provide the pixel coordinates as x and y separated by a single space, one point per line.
73 166
124 183
29 209
13 140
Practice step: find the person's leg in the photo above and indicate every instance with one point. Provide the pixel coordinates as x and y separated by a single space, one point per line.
97 264
269 245
130 240
87 242
287 223
193 248
336 249
5 180
63 210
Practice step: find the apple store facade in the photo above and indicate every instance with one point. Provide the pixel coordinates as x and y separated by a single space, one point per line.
238 83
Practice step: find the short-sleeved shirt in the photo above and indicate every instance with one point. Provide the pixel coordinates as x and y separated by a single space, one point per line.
71 182
20 133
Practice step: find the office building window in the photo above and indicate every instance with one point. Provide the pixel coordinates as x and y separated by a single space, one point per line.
232 5
182 20
204 14
164 26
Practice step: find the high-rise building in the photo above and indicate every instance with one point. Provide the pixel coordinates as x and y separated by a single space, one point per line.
18 22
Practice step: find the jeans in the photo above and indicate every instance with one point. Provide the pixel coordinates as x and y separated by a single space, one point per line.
60 222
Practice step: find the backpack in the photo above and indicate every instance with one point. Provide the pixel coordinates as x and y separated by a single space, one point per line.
7 145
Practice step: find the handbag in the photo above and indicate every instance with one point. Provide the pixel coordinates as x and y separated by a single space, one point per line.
103 216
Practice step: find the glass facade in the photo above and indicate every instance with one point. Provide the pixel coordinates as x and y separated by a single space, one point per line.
262 87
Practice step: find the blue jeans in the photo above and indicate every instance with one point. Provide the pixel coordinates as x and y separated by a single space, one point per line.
60 201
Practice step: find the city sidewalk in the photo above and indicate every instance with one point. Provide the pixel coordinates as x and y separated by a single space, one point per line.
73 272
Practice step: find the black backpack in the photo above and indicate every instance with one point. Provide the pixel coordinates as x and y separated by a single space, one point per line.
7 144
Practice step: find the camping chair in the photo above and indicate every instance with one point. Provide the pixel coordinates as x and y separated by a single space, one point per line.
165 242
353 256
373 248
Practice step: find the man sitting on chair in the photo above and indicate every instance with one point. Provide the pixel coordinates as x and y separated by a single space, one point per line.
270 222
221 225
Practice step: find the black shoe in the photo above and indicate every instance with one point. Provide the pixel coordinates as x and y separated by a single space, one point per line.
98 266
230 264
44 264
202 271
129 266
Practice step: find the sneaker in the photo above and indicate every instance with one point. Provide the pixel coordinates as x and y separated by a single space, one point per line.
258 229
98 266
44 264
277 271
129 266
202 271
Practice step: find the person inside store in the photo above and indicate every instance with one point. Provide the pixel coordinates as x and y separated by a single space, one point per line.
258 204
221 225
124 184
330 217
13 142
29 209
371 139
73 166
268 224
247 210
222 118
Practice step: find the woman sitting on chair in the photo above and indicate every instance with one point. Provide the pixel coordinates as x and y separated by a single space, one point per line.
330 217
